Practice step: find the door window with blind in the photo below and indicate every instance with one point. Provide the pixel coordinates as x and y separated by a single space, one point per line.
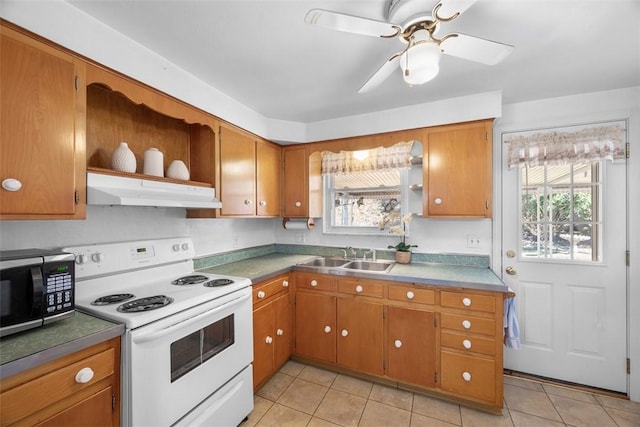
561 189
365 191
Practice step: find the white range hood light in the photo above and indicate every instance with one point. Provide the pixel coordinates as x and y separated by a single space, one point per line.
125 191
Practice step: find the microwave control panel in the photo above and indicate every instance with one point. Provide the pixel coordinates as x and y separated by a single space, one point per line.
58 287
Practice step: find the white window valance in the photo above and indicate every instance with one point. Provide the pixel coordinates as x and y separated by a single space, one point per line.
395 157
567 146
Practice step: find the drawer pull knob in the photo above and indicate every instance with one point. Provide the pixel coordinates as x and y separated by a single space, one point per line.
285 283
466 324
279 332
84 375
437 201
268 340
397 343
298 204
327 329
466 376
314 282
358 289
466 344
466 301
344 333
410 295
11 184
261 294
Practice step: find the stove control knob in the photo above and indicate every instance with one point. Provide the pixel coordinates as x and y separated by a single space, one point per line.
175 247
81 259
185 246
97 257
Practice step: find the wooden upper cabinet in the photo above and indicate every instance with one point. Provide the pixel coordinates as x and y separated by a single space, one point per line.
268 174
249 174
457 170
42 147
302 183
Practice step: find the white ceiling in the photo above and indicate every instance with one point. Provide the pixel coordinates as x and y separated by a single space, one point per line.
263 55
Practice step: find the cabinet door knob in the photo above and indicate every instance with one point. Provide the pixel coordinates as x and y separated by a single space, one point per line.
268 340
466 376
410 295
358 289
466 324
466 344
314 282
437 201
466 301
247 202
298 204
263 203
84 375
11 184
397 343
285 283
327 329
279 332
344 333
261 294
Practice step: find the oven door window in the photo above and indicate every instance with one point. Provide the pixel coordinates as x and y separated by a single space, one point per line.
191 351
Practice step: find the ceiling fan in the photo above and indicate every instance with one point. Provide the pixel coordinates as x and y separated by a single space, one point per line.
412 23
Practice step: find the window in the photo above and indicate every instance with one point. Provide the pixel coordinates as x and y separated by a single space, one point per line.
560 212
363 190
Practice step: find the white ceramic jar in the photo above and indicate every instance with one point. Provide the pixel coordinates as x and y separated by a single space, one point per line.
153 162
178 170
123 159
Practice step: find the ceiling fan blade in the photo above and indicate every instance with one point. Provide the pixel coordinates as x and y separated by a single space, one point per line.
350 24
449 8
474 48
382 74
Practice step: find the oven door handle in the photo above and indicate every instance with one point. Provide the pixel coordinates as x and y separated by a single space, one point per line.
152 335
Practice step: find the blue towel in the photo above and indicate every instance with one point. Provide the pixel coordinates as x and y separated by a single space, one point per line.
511 329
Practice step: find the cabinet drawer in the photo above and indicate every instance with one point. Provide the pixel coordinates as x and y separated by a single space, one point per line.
463 322
468 300
43 391
412 294
468 343
468 376
357 287
265 290
316 281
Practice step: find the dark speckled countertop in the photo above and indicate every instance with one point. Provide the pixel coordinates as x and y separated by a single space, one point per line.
263 267
35 347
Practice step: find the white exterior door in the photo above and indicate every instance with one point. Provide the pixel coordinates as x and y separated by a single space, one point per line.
566 263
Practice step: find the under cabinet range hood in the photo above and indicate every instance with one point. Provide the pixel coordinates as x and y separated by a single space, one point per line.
125 191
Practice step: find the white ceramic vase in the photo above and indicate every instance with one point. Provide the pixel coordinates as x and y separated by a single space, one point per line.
123 159
153 162
178 170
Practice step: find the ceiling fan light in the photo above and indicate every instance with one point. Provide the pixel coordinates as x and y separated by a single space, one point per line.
421 63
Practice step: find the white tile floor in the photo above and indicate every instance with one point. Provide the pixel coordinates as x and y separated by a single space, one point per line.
301 395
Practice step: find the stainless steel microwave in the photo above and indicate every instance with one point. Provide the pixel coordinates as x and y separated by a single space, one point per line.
37 287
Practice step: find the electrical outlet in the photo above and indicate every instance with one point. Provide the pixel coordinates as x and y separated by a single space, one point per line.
301 237
473 241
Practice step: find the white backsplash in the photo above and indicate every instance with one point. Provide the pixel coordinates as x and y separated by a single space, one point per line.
211 236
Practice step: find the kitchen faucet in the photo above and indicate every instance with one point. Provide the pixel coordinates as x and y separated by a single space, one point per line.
351 250
373 254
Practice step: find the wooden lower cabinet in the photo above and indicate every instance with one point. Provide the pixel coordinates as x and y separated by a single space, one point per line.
411 346
360 342
272 331
437 339
52 394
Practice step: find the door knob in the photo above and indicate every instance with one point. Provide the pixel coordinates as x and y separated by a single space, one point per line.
510 271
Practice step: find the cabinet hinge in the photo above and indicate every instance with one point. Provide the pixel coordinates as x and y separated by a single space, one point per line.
628 258
628 366
113 402
435 377
627 150
76 197
384 366
486 136
486 204
77 83
435 322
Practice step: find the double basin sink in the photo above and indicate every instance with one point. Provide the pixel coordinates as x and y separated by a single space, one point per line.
344 265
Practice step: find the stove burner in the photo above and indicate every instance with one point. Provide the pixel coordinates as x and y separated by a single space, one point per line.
190 280
145 304
218 282
112 299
